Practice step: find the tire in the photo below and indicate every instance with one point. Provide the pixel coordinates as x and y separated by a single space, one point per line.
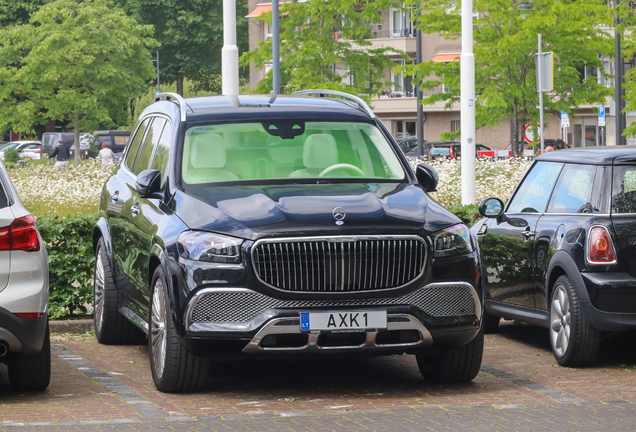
111 327
452 365
31 371
490 323
573 340
174 368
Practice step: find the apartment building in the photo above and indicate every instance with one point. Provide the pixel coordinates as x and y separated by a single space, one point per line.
397 108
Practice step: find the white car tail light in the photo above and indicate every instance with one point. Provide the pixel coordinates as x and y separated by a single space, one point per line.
599 247
20 235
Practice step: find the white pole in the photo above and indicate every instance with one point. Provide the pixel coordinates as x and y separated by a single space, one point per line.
540 86
229 53
467 105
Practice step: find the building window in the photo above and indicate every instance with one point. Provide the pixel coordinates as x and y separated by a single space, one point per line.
402 86
401 24
455 125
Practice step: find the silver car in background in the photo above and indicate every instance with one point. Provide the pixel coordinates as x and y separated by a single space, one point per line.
24 292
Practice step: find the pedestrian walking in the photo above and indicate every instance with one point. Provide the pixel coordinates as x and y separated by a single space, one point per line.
106 155
61 152
560 145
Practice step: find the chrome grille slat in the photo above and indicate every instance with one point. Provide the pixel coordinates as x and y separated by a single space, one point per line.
339 264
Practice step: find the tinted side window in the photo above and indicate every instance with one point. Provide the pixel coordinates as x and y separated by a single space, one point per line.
624 189
533 194
152 138
572 192
160 161
134 145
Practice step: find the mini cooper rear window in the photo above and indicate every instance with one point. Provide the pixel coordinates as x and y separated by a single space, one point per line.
249 151
624 189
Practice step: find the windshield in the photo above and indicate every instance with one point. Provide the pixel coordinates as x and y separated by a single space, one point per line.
287 149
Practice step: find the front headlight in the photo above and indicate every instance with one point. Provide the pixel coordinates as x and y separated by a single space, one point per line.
452 241
205 246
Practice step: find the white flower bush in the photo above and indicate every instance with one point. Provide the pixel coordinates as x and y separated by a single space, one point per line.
76 190
494 179
64 191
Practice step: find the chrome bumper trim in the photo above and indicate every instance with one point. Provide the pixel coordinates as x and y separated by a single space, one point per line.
279 326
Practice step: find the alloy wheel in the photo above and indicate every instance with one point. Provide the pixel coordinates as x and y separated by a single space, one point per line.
560 320
158 328
98 290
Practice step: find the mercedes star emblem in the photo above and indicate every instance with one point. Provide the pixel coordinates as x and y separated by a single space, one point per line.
339 214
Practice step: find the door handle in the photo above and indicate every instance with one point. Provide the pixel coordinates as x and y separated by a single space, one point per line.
114 197
135 210
527 234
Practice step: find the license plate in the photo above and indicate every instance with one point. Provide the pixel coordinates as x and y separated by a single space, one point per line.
27 158
342 320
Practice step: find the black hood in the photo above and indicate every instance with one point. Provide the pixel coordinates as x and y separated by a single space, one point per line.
252 212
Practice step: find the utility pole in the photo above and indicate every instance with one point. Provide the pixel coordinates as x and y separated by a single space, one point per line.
540 86
229 53
275 49
619 72
418 89
467 105
158 82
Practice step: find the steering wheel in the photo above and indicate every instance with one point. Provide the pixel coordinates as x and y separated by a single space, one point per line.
354 170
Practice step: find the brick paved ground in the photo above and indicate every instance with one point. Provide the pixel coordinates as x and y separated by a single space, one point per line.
519 379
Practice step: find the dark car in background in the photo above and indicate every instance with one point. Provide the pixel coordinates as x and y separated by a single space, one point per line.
116 140
258 228
49 140
562 253
408 144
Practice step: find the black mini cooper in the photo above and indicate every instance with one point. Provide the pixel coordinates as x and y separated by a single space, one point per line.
562 253
278 227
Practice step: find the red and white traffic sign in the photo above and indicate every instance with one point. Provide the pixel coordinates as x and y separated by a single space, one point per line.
529 134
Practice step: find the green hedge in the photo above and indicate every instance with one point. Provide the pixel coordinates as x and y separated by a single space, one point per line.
69 244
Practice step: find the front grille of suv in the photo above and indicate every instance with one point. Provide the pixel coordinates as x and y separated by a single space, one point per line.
339 264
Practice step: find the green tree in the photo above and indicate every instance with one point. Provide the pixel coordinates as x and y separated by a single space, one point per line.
315 36
74 61
14 12
191 38
505 46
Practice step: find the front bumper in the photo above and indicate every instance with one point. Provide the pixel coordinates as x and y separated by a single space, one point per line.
441 314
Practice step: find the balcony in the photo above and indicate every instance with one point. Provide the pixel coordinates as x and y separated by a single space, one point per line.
386 39
396 103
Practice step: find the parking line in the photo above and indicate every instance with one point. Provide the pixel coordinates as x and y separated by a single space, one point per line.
139 403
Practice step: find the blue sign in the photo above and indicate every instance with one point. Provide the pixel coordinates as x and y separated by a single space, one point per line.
565 119
304 321
157 93
601 116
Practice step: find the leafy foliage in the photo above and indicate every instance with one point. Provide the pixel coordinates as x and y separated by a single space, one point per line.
13 12
11 155
505 46
78 61
469 214
69 246
309 47
191 37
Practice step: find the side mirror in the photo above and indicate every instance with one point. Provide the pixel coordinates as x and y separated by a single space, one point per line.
491 207
149 183
427 177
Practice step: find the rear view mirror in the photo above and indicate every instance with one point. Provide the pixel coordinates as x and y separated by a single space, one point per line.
427 177
149 183
491 207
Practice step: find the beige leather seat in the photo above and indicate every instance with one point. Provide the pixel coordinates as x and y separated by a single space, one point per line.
207 159
319 152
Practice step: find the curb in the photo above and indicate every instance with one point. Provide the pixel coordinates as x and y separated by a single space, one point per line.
71 326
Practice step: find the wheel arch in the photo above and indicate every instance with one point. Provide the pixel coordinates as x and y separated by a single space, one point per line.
102 231
158 258
561 264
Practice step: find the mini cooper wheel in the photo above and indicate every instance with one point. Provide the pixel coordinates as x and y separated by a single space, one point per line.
452 365
31 371
174 368
574 342
111 327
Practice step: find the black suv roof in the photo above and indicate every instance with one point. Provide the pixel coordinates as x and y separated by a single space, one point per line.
591 155
307 108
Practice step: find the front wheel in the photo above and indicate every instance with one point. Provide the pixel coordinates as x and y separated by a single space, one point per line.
452 365
574 341
174 368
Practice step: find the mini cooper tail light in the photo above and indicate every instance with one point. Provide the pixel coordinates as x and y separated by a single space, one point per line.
22 234
29 315
599 247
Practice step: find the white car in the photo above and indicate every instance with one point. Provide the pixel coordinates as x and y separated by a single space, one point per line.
31 151
18 145
24 292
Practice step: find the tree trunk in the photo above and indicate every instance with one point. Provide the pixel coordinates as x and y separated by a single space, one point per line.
76 144
180 85
515 130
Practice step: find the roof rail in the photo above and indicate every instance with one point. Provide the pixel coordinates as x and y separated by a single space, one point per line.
362 104
176 97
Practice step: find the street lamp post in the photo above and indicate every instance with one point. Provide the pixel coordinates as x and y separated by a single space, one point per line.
158 82
467 105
